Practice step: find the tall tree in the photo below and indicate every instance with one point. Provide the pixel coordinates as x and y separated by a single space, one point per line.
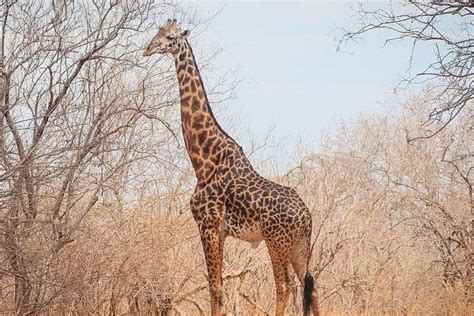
73 117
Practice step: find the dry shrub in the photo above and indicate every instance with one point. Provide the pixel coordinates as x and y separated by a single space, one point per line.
393 220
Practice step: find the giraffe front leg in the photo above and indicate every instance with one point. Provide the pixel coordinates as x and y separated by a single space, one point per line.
213 246
280 264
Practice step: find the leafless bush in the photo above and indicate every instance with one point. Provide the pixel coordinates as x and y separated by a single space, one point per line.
390 216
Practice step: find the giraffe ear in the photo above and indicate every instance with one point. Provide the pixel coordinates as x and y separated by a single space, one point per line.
185 33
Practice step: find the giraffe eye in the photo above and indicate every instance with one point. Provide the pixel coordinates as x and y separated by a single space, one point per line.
170 37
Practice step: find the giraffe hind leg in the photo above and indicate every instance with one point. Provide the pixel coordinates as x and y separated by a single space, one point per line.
299 259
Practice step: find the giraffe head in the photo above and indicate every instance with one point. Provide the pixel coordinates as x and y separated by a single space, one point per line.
167 40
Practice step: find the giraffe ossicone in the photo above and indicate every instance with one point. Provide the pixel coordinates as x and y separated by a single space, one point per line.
231 198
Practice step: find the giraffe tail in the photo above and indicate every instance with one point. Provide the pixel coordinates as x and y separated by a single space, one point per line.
308 293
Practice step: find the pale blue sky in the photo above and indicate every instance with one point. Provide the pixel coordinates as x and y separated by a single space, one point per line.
293 78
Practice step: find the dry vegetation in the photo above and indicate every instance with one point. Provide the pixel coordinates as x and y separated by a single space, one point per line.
94 187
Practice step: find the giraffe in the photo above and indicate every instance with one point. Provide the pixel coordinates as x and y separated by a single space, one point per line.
230 197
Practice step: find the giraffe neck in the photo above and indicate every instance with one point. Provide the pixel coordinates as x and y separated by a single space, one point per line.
205 140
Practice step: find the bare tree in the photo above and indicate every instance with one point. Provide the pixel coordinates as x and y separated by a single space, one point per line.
445 25
77 103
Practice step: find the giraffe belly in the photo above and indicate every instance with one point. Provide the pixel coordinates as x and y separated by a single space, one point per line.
248 232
